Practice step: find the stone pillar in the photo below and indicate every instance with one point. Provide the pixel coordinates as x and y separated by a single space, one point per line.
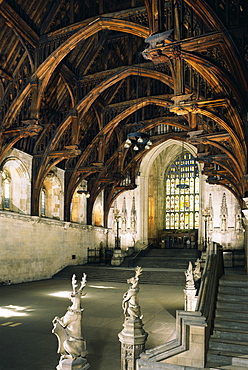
118 257
133 336
190 299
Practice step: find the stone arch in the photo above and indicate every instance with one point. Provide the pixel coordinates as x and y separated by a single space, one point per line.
79 204
156 161
53 190
20 185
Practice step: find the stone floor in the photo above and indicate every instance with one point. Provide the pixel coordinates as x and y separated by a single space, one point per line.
27 311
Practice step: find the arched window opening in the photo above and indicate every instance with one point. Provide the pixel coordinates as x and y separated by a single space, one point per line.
182 194
6 190
43 202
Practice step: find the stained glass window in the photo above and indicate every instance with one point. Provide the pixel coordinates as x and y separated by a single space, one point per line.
182 194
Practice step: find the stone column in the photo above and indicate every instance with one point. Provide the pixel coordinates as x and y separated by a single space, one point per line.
133 336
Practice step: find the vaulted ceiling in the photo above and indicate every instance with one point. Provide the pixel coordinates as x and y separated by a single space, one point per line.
77 76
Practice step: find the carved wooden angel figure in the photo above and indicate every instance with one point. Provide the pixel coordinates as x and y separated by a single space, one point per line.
130 302
68 328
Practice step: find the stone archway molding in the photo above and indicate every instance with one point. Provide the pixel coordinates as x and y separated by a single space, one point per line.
145 169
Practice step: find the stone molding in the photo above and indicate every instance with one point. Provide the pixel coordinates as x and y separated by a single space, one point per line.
50 221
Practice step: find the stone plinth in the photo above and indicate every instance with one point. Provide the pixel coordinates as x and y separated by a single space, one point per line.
132 338
78 363
118 257
190 299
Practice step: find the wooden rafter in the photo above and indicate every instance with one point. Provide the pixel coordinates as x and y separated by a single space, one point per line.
17 23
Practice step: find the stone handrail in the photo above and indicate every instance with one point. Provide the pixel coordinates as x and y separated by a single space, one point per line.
213 270
190 346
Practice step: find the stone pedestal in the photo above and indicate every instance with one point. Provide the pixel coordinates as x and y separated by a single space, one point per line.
78 363
118 257
132 338
190 299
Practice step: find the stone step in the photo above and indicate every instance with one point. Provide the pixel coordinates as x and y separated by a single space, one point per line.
232 315
120 275
229 334
229 367
240 361
233 297
177 253
219 358
163 262
169 258
231 324
226 345
232 306
230 289
225 360
234 280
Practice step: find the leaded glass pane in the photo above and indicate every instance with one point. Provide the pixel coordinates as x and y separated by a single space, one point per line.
182 194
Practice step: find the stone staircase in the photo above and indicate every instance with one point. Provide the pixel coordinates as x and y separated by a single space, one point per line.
228 346
160 267
169 258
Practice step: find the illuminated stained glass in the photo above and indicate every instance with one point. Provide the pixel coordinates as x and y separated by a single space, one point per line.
182 194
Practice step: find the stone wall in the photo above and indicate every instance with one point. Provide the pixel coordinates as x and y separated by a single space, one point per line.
34 248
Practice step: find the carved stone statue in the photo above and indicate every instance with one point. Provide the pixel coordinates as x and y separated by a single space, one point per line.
130 303
68 328
190 298
197 270
190 284
133 336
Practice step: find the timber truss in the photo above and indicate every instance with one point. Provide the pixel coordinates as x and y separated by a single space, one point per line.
68 87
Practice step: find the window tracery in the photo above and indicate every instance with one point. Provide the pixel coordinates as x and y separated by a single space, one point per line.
182 194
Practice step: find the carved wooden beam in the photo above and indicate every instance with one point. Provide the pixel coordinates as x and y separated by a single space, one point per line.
70 151
90 169
5 75
31 128
49 17
16 22
200 138
72 28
